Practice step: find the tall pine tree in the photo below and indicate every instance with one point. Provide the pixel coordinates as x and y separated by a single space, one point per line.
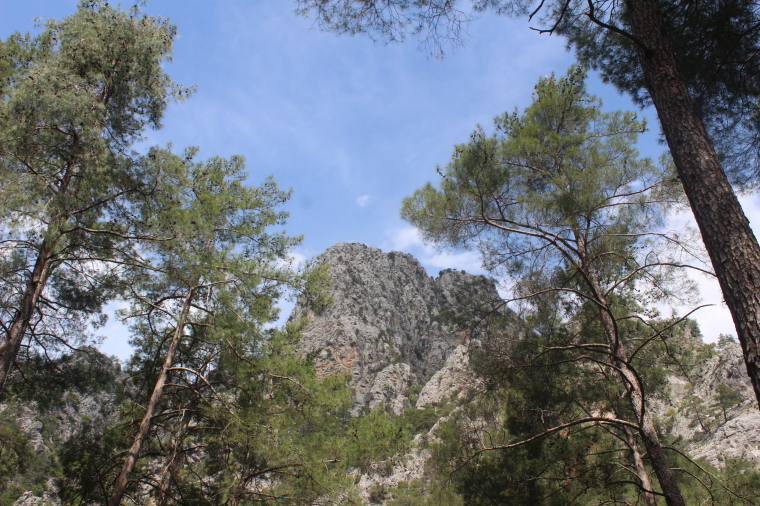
560 201
72 102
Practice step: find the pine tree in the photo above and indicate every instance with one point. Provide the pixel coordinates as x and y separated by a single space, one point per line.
220 265
72 102
560 201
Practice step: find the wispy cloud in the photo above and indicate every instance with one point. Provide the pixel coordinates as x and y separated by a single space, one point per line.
407 237
363 200
409 240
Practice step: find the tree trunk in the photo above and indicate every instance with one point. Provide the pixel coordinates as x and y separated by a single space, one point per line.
240 489
648 433
44 265
134 450
12 344
619 359
730 242
641 470
173 459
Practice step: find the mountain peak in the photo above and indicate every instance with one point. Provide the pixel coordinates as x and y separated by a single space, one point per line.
390 324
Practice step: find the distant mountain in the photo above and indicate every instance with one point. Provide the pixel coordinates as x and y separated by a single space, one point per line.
391 325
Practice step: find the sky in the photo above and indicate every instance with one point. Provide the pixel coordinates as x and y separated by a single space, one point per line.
352 126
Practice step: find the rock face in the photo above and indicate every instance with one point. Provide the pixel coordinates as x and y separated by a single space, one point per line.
453 379
391 326
691 411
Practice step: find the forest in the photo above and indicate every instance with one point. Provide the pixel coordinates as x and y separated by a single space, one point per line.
562 375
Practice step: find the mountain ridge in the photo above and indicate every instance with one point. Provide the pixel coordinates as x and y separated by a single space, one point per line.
391 325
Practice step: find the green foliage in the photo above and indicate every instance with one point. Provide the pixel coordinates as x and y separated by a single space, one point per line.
280 422
581 464
16 456
421 420
45 382
419 493
726 398
725 340
376 437
559 201
713 43
701 415
73 100
561 162
87 463
63 447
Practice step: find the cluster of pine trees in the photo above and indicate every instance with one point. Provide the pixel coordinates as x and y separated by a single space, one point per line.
215 406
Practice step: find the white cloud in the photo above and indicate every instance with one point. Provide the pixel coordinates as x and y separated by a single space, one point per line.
297 258
407 237
294 260
409 240
363 200
466 261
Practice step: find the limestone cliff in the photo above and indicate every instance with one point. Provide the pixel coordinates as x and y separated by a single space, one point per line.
391 325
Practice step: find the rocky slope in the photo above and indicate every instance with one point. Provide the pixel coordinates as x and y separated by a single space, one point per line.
391 326
692 413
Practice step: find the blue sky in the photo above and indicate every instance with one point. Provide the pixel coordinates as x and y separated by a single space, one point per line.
351 125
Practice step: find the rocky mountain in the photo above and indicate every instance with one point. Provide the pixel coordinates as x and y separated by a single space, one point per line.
391 326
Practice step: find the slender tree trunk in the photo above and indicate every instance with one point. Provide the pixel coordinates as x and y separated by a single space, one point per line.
641 470
240 489
134 450
44 265
730 242
630 380
648 433
12 344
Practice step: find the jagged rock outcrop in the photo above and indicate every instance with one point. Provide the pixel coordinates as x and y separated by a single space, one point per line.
391 326
455 378
692 414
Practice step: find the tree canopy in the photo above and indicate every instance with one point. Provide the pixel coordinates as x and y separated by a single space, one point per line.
715 43
73 101
560 201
